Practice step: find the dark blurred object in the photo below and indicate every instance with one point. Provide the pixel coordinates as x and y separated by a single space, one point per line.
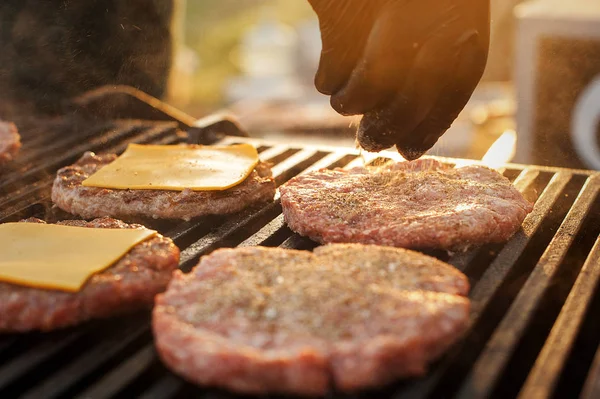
558 83
409 67
53 50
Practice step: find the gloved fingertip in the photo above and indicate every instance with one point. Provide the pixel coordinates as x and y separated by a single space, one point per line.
411 153
420 140
374 133
358 99
340 107
329 80
368 143
322 85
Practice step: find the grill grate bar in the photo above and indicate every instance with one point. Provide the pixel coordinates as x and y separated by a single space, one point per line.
361 160
119 377
332 160
215 237
293 165
182 229
591 389
208 242
95 357
358 161
268 232
525 180
58 144
275 154
483 376
543 378
164 388
39 135
35 138
17 367
40 191
488 285
498 270
71 154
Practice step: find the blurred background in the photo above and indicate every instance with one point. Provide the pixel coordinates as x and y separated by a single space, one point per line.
223 44
538 101
257 58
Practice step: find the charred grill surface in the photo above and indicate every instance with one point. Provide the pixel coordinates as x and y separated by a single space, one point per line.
534 299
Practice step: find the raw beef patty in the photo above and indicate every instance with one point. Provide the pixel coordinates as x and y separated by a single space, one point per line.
422 204
10 142
90 202
259 320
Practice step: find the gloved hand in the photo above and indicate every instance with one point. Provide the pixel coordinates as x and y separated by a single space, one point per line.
409 66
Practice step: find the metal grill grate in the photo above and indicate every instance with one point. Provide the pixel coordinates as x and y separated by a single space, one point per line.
533 330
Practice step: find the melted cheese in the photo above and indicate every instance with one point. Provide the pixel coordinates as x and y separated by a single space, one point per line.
170 167
61 257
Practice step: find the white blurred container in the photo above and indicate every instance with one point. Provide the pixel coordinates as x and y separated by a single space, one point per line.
268 63
268 49
557 76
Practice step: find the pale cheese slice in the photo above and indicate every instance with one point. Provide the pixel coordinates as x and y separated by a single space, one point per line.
175 167
60 257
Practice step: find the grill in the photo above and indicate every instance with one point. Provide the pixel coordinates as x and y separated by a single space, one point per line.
533 331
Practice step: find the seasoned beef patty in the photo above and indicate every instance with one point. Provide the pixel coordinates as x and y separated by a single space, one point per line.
131 283
90 202
258 320
422 204
10 142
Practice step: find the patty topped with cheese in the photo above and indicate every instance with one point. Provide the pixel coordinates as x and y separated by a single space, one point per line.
69 194
129 283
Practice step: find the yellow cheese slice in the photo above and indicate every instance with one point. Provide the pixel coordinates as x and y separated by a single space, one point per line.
61 257
174 167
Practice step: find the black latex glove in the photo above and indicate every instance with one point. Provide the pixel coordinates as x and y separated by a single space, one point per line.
409 66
